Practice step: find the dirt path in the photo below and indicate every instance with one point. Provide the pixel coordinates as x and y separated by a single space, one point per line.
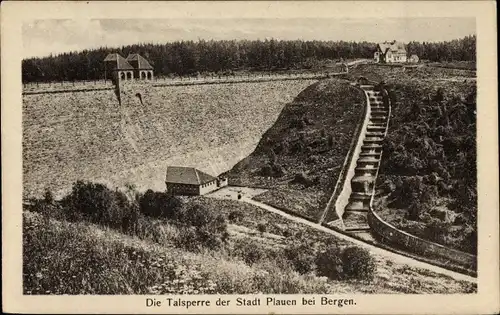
373 249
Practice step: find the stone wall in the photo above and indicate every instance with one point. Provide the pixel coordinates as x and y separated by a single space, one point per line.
390 234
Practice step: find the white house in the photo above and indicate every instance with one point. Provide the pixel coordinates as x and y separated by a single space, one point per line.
390 52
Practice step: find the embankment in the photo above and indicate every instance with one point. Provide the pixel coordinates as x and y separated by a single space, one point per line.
300 157
87 135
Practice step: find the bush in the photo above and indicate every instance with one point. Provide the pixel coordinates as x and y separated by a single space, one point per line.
358 264
272 156
329 263
236 216
351 263
159 204
262 227
247 250
48 207
436 230
48 197
274 170
303 179
266 170
302 257
278 170
211 236
98 204
298 123
330 141
210 228
188 239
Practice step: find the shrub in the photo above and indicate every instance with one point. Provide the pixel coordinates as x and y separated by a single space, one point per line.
196 215
274 170
297 147
266 170
248 251
210 229
211 237
329 263
159 204
98 204
301 256
298 123
48 207
278 170
48 197
188 239
330 141
358 264
312 159
262 227
272 156
236 216
436 230
303 179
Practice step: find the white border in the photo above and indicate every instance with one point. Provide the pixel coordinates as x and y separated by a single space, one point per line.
14 13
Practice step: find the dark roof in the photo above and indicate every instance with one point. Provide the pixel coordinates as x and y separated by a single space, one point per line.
394 46
121 63
139 62
187 175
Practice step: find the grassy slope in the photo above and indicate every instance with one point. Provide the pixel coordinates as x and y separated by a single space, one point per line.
81 258
330 108
73 136
430 149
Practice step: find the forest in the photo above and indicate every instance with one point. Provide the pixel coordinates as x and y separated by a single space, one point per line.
191 58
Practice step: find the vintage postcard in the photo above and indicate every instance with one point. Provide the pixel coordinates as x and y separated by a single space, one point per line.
250 157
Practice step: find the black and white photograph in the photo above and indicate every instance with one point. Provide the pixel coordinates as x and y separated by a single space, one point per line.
263 158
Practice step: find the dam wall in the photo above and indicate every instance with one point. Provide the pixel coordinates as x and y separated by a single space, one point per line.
88 135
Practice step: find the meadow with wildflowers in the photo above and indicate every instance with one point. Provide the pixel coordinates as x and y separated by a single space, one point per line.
201 247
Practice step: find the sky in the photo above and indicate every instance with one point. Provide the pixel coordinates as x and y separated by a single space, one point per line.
44 37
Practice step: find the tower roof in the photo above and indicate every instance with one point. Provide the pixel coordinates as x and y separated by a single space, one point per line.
121 63
138 60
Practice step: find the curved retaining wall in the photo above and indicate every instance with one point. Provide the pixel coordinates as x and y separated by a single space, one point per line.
390 234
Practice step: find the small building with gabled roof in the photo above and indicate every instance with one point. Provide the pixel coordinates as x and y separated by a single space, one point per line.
142 68
182 180
390 52
117 68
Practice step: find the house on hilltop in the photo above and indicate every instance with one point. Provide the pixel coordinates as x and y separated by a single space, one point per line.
120 69
142 68
390 52
190 181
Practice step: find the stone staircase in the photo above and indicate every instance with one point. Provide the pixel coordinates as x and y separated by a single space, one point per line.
366 171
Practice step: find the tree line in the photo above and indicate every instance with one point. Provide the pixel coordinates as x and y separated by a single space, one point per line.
183 58
456 50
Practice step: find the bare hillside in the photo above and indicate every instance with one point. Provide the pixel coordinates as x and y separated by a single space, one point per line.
88 135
